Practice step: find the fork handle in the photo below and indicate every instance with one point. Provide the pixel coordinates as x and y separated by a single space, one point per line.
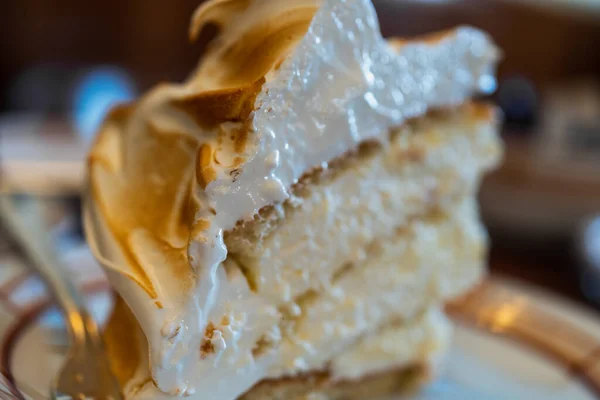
29 233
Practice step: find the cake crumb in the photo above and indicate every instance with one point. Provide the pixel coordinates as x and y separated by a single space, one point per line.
207 348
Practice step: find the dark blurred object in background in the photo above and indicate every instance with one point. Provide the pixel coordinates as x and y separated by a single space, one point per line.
518 98
588 251
42 87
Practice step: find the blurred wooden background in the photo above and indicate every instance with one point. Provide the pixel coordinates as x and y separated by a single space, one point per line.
149 38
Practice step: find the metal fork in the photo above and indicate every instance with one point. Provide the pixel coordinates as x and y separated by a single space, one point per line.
86 372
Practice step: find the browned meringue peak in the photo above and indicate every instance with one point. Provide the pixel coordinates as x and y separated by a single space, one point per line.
210 108
138 180
253 37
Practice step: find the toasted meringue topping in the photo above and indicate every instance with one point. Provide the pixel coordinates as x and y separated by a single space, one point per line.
254 36
285 87
211 108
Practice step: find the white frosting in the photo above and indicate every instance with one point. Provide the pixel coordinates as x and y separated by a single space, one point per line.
342 84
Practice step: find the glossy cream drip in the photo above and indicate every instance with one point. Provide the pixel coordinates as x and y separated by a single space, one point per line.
342 84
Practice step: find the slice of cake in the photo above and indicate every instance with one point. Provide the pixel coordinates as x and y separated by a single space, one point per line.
288 223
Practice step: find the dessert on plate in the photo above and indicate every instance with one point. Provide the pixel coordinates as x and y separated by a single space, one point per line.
289 222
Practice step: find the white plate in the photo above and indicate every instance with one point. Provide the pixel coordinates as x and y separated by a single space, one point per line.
512 341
